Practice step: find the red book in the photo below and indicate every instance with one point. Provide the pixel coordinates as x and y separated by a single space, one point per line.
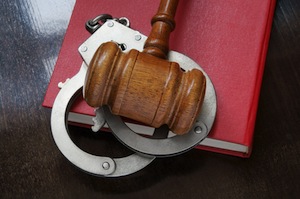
227 38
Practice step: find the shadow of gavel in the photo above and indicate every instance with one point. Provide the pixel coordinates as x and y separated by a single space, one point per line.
144 86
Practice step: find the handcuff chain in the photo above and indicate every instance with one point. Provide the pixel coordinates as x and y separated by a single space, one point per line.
94 24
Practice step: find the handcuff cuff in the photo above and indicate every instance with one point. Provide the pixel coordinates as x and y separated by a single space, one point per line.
145 149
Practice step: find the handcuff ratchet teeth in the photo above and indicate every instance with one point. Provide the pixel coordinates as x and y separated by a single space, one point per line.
145 149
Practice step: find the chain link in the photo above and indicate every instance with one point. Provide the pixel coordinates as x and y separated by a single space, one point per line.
94 24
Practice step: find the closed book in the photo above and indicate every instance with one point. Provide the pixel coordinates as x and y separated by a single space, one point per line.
227 38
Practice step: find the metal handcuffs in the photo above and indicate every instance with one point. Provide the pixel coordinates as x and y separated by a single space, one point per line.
145 148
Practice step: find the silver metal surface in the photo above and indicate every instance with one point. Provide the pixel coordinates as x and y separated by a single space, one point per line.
157 147
110 23
153 147
209 108
147 148
124 21
118 33
177 144
98 120
96 165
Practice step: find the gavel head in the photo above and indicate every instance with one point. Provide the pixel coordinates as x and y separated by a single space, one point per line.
144 88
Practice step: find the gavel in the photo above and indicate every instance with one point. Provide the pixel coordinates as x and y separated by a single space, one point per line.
144 86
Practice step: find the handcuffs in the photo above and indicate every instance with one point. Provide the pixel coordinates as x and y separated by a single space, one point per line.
145 149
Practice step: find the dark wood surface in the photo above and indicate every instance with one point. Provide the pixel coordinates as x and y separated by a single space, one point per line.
31 166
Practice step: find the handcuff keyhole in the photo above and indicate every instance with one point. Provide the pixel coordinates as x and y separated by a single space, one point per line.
122 46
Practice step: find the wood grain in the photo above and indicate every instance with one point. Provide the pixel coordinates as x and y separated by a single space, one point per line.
163 24
144 88
32 167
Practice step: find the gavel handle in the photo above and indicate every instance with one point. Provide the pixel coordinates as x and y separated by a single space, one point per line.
163 24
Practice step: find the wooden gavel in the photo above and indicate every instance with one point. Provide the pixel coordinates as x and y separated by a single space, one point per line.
144 86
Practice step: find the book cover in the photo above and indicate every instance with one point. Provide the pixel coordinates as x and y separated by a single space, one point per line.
227 38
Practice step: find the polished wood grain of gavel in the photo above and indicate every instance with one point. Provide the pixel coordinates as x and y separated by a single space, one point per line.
144 86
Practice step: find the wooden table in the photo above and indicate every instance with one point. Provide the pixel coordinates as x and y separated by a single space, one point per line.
31 166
